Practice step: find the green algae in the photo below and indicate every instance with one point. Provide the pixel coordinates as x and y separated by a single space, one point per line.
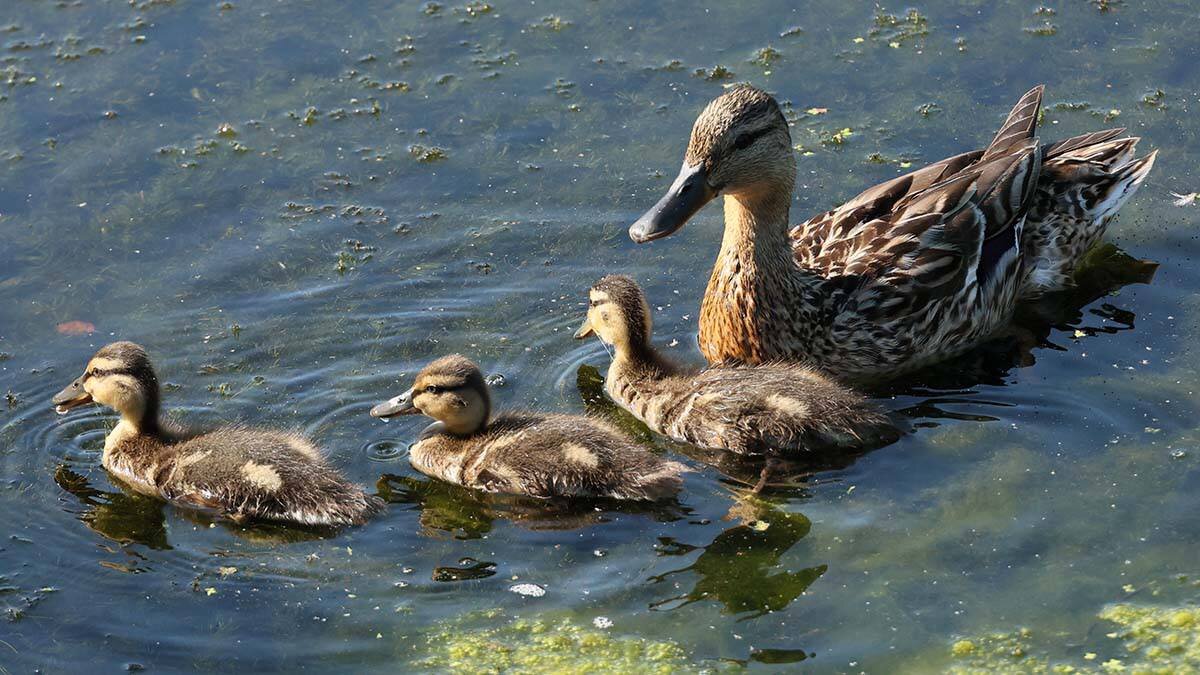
1146 639
546 645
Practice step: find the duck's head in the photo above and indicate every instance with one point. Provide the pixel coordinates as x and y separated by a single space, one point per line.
740 146
618 314
119 376
451 390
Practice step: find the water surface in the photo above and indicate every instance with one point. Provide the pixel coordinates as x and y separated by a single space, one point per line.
294 205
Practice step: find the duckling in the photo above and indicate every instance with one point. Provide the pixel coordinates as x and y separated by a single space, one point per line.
530 454
757 409
242 473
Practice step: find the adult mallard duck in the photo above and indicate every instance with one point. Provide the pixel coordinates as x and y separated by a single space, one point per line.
748 409
529 454
239 472
911 271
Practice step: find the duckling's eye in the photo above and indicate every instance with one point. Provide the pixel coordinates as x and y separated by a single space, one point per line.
433 389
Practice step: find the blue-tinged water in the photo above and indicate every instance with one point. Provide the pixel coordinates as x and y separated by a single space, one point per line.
295 205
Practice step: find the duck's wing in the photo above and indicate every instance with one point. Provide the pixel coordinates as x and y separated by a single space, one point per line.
826 242
948 238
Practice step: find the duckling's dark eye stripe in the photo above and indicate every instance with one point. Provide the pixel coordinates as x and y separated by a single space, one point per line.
597 303
101 372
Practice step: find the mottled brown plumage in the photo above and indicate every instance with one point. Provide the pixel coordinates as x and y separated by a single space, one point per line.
522 453
749 409
909 272
240 472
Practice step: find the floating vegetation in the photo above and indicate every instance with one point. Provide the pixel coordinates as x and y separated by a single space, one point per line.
561 88
1045 29
714 74
1154 639
835 138
897 30
929 109
426 153
473 10
432 8
551 23
791 32
544 646
1107 5
1155 99
766 56
491 64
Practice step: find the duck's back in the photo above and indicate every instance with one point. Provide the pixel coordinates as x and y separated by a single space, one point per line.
549 456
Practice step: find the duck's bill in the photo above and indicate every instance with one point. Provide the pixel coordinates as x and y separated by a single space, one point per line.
585 330
687 195
401 405
71 397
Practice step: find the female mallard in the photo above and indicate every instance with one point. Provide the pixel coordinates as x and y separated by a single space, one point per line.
522 453
747 409
244 474
911 271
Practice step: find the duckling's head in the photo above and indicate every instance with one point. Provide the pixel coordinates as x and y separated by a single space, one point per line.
618 313
119 376
451 390
740 146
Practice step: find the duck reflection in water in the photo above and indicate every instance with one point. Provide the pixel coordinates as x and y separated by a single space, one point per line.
450 510
740 568
126 517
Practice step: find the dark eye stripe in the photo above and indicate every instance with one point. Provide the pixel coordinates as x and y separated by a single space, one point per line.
747 139
98 372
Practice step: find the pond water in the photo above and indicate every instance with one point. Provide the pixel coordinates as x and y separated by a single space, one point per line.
295 205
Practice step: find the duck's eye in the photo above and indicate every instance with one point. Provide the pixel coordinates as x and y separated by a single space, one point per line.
747 139
433 389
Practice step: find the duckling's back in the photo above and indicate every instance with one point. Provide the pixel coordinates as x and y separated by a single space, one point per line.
549 456
261 474
752 409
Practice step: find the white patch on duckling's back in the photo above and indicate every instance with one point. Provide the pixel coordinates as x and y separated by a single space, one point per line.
263 475
190 459
578 454
789 406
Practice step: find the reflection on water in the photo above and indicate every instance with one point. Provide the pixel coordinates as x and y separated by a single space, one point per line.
447 509
126 517
954 382
295 205
740 567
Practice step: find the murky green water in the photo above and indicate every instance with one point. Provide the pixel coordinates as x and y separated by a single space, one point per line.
402 180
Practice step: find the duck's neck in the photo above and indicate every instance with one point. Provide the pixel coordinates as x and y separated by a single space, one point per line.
756 292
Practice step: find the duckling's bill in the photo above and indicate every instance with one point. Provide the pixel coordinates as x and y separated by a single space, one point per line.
401 405
585 330
71 397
